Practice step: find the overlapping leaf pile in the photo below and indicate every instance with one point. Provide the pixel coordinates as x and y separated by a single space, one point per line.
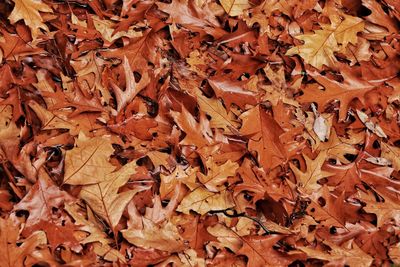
204 132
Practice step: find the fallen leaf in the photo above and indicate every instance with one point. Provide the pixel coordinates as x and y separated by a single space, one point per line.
88 162
28 10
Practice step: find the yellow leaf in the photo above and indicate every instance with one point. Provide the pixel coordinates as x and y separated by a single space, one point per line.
318 48
52 121
226 236
88 162
164 237
28 10
217 174
202 201
219 117
96 236
104 199
179 175
106 28
346 29
235 7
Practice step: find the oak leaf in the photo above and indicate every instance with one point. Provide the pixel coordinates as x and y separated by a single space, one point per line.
163 237
88 162
217 175
351 88
308 180
139 51
104 198
226 236
349 254
235 7
28 10
391 153
132 88
179 175
12 253
260 252
318 48
42 199
220 118
96 236
188 14
202 201
263 132
197 133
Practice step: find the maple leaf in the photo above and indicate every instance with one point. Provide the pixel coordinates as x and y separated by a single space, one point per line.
202 201
103 197
308 180
88 162
264 137
235 7
28 10
12 253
